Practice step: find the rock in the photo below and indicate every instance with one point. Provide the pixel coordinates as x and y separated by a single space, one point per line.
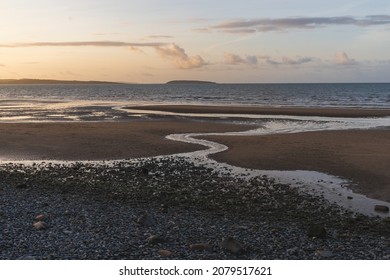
40 225
324 253
154 239
381 208
316 230
40 217
165 253
231 245
349 197
200 246
22 186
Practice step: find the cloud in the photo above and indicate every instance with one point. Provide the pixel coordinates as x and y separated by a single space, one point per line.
201 30
83 44
160 37
235 59
300 60
341 58
283 24
290 61
179 57
166 50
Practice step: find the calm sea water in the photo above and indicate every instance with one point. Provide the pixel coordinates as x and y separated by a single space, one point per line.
375 95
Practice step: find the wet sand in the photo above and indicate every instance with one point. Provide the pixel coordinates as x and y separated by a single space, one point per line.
362 156
98 140
293 111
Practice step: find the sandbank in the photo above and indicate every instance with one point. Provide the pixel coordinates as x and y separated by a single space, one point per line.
98 140
293 111
362 156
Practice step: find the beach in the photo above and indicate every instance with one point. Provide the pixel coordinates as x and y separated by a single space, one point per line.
263 110
349 154
169 207
99 140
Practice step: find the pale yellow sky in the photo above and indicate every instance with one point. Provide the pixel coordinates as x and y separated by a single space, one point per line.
153 41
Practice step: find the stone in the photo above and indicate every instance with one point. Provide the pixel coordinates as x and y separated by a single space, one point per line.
381 208
22 186
40 217
165 253
40 225
349 197
231 245
324 253
316 230
200 246
154 239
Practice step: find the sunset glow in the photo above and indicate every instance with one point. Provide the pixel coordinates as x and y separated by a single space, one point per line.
224 41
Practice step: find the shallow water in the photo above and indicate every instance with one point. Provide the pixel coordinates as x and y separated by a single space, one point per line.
332 188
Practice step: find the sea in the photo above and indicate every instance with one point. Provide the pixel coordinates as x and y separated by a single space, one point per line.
100 102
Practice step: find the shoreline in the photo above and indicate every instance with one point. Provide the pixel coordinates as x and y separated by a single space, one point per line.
344 112
349 154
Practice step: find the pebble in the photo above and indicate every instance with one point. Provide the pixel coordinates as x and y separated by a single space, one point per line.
165 253
109 211
40 217
154 239
200 246
324 253
381 208
40 225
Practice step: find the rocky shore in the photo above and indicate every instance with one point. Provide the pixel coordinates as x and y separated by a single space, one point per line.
170 208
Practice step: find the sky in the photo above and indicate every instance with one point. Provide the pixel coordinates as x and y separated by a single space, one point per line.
154 41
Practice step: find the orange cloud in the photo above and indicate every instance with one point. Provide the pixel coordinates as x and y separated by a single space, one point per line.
180 57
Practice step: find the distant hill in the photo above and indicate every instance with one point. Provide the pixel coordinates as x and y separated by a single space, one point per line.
189 82
48 82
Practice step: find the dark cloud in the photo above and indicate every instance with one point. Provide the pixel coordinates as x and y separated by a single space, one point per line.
281 24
